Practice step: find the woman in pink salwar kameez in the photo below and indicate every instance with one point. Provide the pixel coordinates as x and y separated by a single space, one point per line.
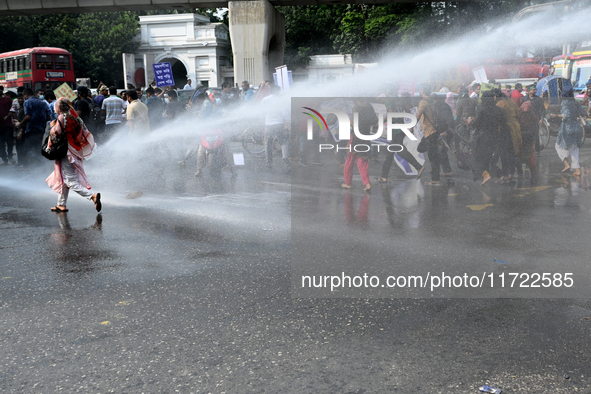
68 173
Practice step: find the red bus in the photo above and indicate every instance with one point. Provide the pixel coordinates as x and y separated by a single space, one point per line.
37 68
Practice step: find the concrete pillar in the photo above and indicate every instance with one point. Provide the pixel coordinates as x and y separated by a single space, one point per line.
191 68
257 32
216 79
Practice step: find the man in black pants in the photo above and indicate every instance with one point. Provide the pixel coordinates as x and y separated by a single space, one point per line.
6 128
402 104
37 114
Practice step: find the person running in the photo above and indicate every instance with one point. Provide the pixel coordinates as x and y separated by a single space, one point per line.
68 173
570 133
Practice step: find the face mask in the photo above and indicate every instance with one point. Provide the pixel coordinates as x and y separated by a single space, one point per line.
41 97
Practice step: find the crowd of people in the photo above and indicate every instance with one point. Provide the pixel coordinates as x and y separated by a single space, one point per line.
29 116
499 127
24 119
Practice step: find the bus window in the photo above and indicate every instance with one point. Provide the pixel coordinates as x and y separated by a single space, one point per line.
2 66
583 75
9 65
44 62
28 62
20 64
62 62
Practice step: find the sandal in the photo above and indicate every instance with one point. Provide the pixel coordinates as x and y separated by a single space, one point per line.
382 180
367 188
97 202
58 209
420 172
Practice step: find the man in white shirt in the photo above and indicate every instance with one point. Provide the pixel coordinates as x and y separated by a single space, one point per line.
138 119
276 126
188 85
112 108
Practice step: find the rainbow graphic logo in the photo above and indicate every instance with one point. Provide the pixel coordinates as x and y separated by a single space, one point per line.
316 118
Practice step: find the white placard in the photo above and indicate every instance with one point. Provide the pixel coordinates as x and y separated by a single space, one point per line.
128 68
480 75
149 61
238 159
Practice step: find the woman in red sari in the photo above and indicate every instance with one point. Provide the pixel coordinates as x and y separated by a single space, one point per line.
69 172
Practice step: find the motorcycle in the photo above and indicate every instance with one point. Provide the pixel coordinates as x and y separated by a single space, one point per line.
213 154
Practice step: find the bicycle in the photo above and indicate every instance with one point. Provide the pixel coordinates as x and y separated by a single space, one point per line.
543 135
253 141
584 125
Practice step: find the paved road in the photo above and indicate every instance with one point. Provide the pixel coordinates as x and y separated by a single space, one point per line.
189 288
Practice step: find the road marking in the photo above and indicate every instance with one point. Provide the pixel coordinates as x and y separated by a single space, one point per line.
479 207
533 189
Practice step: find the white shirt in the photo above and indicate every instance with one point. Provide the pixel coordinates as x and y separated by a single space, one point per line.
113 106
187 86
274 113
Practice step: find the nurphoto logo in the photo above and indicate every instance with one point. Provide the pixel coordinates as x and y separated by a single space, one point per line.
344 124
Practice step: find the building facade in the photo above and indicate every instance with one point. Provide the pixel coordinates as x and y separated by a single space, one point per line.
195 47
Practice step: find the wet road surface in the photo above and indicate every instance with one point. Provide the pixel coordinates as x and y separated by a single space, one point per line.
190 287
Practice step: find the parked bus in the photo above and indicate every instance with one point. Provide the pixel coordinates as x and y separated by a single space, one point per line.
37 68
558 66
575 66
580 66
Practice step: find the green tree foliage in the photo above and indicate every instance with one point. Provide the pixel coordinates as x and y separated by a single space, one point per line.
96 40
367 31
310 30
100 39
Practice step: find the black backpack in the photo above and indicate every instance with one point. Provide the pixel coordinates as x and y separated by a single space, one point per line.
444 117
96 113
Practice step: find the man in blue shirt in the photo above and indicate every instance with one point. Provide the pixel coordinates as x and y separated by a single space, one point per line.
36 116
247 92
103 94
155 108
